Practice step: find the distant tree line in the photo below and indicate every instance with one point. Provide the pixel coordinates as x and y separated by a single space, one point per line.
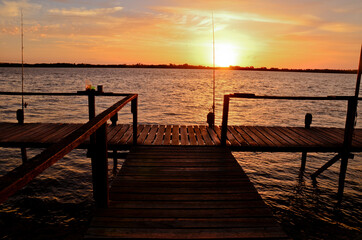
171 66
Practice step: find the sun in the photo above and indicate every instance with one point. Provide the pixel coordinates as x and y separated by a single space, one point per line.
225 55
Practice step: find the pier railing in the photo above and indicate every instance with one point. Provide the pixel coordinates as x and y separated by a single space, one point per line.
20 176
345 152
351 111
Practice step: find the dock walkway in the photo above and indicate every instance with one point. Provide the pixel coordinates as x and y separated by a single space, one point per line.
239 138
183 193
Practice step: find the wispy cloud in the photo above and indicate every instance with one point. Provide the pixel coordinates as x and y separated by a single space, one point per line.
84 11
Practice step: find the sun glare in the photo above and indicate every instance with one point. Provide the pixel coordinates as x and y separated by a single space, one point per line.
225 55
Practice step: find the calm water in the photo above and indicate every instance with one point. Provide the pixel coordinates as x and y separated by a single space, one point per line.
59 202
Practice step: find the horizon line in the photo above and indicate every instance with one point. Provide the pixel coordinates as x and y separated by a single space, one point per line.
172 65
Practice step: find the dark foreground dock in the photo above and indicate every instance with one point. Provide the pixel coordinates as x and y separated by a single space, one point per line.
183 193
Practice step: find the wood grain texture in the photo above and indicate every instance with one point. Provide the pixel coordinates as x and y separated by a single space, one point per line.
239 138
180 192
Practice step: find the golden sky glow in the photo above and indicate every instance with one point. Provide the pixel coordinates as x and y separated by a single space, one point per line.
292 34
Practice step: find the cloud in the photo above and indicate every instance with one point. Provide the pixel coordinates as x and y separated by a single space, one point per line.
83 12
341 27
13 8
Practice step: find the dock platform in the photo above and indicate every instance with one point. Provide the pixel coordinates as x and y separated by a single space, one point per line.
180 192
239 138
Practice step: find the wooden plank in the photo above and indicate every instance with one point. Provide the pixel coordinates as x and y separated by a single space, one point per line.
290 136
175 135
152 135
127 138
217 130
57 128
272 135
238 137
160 135
174 233
167 139
264 137
213 135
192 135
206 136
204 198
188 204
244 136
38 133
143 133
330 135
116 139
200 140
112 131
241 222
21 131
184 137
307 134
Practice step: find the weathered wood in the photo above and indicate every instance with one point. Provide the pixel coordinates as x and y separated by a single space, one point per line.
293 139
225 117
20 176
134 110
100 168
184 138
175 135
156 196
160 135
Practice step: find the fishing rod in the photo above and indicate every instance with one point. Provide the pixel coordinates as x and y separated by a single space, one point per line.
22 62
20 112
211 115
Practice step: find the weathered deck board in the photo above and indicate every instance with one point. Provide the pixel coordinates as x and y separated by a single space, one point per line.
181 193
240 138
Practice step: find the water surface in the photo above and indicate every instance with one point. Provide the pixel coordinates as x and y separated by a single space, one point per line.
59 202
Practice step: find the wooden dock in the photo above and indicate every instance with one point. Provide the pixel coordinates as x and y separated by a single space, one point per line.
239 138
183 193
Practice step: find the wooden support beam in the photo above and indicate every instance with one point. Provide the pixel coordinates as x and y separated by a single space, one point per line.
100 168
225 116
342 177
307 122
134 105
326 166
20 118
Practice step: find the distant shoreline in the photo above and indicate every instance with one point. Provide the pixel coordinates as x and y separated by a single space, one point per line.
172 66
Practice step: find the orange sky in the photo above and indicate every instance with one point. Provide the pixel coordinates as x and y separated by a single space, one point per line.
292 34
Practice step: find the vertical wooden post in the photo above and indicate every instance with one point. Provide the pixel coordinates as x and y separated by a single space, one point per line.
114 120
307 122
100 168
20 118
92 114
225 116
347 143
134 111
91 104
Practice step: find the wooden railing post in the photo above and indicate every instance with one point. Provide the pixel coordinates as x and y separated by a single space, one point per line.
100 168
347 144
20 118
307 122
225 116
91 104
135 113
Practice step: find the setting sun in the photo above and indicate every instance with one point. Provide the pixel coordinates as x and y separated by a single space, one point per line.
225 55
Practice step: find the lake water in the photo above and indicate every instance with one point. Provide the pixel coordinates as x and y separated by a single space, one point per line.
58 204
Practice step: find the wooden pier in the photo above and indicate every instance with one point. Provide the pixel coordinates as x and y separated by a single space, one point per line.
183 193
239 138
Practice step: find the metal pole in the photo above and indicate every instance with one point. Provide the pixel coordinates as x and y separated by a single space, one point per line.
213 71
22 62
